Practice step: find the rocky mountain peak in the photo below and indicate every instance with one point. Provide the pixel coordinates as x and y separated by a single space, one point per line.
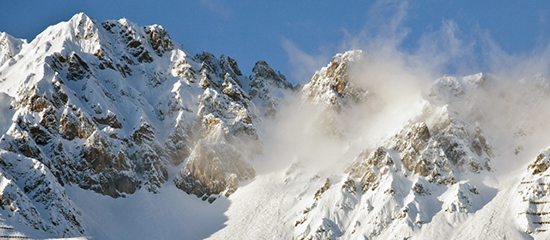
449 88
112 106
334 85
268 87
541 163
229 65
9 47
263 72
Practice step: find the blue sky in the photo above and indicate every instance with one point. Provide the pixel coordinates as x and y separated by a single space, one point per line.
297 37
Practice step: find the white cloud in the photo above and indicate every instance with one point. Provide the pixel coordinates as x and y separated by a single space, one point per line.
218 7
398 76
303 65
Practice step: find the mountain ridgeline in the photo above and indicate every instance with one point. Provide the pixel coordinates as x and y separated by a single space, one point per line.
115 109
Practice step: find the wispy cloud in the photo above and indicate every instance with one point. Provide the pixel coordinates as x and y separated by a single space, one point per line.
516 65
303 65
515 99
218 7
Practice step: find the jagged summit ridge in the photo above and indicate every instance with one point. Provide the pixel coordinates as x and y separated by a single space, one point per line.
9 47
268 87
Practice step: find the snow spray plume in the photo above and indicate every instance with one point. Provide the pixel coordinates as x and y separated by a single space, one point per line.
509 103
320 129
5 112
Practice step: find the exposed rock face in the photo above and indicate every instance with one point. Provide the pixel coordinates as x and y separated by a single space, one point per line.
436 156
107 171
9 48
533 196
73 124
267 87
27 185
213 169
333 86
334 96
227 117
220 157
541 163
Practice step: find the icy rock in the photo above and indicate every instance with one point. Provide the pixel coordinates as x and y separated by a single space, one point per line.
268 87
10 47
211 169
333 86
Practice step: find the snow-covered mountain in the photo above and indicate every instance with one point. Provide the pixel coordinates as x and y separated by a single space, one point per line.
111 107
112 130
